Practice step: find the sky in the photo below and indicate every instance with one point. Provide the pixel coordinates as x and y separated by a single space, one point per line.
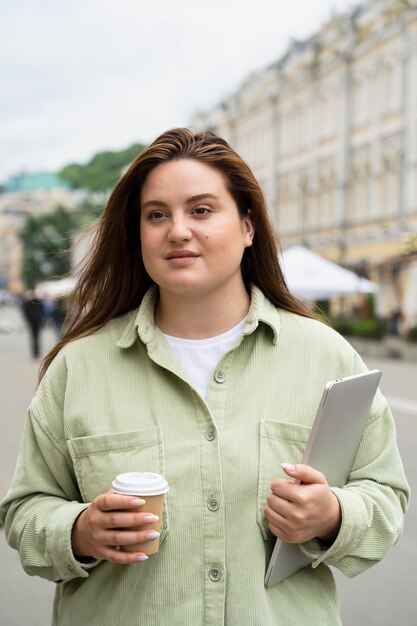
82 76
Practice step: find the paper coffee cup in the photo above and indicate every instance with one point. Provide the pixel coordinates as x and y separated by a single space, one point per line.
151 488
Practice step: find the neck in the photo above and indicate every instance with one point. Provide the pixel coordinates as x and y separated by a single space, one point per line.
200 317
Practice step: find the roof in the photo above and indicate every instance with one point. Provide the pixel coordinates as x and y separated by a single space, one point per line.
40 181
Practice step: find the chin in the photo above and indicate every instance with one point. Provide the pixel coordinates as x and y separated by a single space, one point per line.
184 287
187 288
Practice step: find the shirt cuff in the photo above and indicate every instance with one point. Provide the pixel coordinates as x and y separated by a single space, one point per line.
58 543
354 524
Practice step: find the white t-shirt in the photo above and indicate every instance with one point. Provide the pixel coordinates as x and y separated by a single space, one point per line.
199 357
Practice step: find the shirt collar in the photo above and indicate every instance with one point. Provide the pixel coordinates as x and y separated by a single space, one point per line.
262 310
140 323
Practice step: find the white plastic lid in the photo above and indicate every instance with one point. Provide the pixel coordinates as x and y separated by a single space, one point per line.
140 484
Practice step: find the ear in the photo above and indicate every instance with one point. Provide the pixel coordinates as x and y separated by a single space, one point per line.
249 230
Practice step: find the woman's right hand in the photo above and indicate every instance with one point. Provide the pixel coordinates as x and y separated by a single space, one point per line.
104 526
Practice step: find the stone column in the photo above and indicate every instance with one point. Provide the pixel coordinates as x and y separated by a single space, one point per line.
343 159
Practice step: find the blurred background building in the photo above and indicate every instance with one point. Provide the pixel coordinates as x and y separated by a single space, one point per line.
330 131
26 194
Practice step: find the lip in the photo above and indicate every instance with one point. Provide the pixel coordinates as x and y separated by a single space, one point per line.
181 258
181 254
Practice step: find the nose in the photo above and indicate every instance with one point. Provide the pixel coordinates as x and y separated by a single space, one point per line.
179 230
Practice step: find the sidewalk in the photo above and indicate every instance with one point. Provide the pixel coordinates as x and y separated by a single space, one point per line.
380 349
19 373
24 600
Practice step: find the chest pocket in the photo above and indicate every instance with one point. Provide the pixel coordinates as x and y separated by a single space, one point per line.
280 442
98 459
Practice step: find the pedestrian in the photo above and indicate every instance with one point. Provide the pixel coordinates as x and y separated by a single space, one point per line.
48 309
58 315
33 312
394 338
186 355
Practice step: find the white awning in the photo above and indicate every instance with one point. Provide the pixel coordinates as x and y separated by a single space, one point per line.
312 277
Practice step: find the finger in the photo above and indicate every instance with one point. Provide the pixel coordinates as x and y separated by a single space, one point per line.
110 501
285 489
278 505
304 473
286 528
288 537
293 517
111 553
300 495
129 537
277 524
125 519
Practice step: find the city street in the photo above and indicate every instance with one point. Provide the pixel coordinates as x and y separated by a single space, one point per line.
383 596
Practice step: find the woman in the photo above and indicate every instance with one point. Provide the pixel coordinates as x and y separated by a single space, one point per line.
34 314
185 357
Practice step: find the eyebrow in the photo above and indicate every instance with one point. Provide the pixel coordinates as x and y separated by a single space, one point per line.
196 198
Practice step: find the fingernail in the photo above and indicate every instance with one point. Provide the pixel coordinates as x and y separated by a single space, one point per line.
288 466
151 518
153 535
142 557
137 501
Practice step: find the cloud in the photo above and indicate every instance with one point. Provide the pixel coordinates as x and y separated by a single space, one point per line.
86 75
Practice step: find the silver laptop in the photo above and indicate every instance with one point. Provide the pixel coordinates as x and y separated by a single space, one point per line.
331 449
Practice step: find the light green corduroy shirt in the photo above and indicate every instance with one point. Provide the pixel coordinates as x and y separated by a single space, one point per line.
118 401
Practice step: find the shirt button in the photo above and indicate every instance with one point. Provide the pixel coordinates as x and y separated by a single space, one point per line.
210 434
220 376
213 504
215 574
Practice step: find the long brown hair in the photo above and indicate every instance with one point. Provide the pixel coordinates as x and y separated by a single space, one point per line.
113 281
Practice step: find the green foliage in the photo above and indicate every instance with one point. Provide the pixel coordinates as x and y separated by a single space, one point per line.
405 3
412 334
89 212
103 171
323 307
371 305
46 237
364 328
46 245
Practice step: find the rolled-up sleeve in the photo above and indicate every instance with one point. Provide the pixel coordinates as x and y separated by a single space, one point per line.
43 501
373 501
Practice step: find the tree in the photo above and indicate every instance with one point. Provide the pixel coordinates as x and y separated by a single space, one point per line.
46 240
103 171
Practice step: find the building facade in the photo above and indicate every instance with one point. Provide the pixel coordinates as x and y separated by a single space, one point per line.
330 131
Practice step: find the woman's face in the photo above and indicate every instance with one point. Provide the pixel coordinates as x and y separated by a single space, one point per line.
192 235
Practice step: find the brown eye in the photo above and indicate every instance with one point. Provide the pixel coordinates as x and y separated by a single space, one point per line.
155 216
202 210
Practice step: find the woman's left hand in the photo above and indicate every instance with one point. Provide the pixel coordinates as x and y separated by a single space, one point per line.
299 512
